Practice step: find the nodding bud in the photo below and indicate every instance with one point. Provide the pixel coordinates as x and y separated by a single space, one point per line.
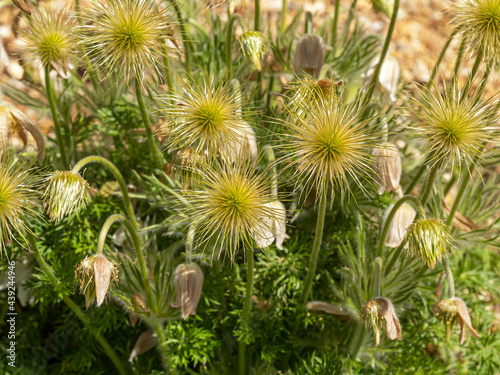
384 6
12 120
188 280
95 274
274 228
388 167
427 239
452 311
245 145
254 46
379 312
309 55
400 222
388 77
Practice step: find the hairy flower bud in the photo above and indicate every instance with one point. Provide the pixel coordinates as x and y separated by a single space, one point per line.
309 55
95 274
379 312
188 280
255 47
397 228
388 77
427 239
387 167
275 227
452 311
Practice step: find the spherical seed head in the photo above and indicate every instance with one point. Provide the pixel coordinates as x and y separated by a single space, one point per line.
229 205
188 280
126 36
254 46
50 37
67 192
329 143
18 199
455 126
95 274
207 116
478 23
427 239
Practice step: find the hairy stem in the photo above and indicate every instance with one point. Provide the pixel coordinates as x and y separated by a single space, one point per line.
335 26
274 172
74 307
348 22
57 125
449 276
441 56
378 277
245 315
189 243
157 156
257 15
417 177
185 41
384 50
167 363
229 37
118 218
459 57
283 15
430 183
313 261
308 29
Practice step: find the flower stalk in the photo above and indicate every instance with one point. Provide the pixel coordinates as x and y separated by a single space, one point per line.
229 38
245 315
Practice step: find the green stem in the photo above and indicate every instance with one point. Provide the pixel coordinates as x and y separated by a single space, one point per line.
394 258
378 277
257 15
357 339
348 22
335 26
384 50
185 41
441 56
167 362
55 118
107 225
313 261
449 276
415 180
74 307
459 57
283 16
245 315
458 198
309 23
269 90
157 156
168 76
477 63
229 37
85 57
390 217
274 172
430 183
189 243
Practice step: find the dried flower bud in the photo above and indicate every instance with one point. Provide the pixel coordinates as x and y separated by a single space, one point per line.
95 274
275 227
188 280
402 219
254 46
12 120
379 312
309 55
387 167
455 310
67 192
428 239
388 77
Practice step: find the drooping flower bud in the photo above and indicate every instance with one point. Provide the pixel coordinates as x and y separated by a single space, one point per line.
254 46
67 192
388 77
146 341
388 167
379 312
455 310
309 55
397 228
427 239
188 280
275 227
95 274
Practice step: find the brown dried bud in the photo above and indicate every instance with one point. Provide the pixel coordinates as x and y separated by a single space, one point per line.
188 280
401 221
309 55
379 312
387 167
455 310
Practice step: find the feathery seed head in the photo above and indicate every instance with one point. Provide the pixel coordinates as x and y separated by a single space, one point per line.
126 36
478 23
95 274
452 311
379 312
67 192
427 239
18 198
309 93
456 126
188 280
207 116
229 205
254 46
50 37
329 143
